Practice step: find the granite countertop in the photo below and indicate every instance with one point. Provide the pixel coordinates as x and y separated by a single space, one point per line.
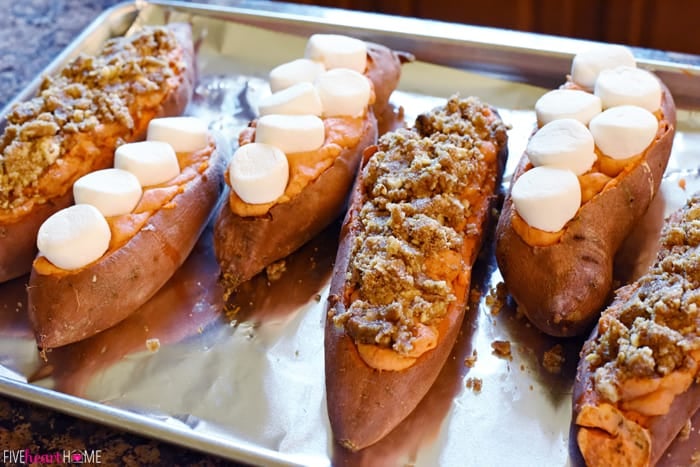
32 33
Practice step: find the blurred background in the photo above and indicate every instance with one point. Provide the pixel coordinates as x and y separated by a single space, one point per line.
667 25
34 31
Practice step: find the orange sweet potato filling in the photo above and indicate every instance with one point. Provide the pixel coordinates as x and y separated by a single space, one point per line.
154 198
304 167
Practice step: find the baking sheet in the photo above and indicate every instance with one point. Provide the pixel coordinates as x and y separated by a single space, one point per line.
250 386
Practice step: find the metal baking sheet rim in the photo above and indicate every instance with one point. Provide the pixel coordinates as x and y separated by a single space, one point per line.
397 37
539 58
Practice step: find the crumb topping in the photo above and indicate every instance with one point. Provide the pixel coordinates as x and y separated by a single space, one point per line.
470 361
502 349
652 332
553 359
414 222
475 384
88 92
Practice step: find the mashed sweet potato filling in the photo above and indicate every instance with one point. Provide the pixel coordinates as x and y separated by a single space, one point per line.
425 195
153 199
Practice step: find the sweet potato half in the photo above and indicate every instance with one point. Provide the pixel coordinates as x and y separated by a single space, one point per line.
147 247
562 286
381 355
638 380
76 121
249 239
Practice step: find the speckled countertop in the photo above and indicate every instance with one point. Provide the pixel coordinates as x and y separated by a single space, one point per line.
32 32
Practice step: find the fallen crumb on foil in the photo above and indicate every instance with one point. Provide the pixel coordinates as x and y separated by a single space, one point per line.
317 297
475 384
470 361
153 345
231 312
496 298
695 458
474 295
685 432
275 270
681 183
502 349
553 359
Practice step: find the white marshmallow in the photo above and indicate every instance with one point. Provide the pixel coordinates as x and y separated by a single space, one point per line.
74 237
567 103
628 86
153 162
336 51
298 99
343 92
112 191
565 143
547 197
184 134
301 70
624 131
586 65
259 173
291 133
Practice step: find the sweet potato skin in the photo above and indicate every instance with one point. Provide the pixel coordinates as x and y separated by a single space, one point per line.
384 70
244 246
356 393
70 307
18 238
562 287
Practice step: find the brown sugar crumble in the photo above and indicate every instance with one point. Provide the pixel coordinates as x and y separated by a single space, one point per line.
496 298
553 359
475 384
502 349
153 345
470 361
411 228
275 270
685 431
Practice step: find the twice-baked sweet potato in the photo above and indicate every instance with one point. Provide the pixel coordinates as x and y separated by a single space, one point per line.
74 124
250 237
147 246
637 381
401 278
246 245
561 280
